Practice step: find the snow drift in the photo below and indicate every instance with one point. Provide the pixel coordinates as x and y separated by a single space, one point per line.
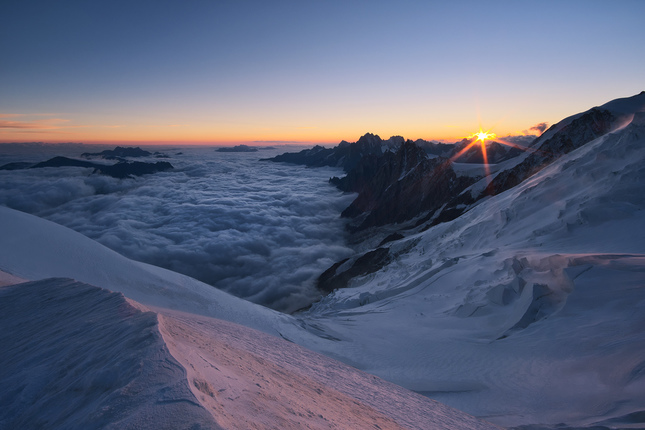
76 356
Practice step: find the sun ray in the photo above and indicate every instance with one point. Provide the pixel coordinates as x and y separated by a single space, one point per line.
485 156
460 153
482 137
514 145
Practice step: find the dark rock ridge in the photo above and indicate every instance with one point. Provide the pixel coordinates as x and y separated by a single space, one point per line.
338 276
119 170
18 165
238 148
391 238
399 186
395 179
580 131
63 162
445 150
135 168
119 152
345 155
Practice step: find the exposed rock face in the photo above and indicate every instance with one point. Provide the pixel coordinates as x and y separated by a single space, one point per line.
339 275
434 148
399 186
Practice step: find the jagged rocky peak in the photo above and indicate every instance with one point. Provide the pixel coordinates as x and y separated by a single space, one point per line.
369 140
409 155
398 186
345 154
436 148
396 141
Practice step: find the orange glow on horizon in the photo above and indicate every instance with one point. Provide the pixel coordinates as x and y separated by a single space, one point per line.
260 133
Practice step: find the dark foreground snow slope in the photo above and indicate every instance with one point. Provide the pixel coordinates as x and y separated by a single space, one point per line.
78 357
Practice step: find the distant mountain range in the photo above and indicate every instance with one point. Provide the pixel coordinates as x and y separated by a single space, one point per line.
122 169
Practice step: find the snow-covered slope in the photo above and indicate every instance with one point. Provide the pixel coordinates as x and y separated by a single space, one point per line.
33 248
79 357
527 309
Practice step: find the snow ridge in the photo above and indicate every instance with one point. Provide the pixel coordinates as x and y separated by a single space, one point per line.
76 356
82 357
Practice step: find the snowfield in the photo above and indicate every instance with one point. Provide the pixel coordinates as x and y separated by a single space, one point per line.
529 309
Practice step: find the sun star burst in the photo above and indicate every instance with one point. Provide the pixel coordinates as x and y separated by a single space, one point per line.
482 136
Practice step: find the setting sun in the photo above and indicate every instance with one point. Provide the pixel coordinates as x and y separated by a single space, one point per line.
482 136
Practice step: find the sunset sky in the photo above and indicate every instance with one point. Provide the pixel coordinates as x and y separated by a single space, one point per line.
222 72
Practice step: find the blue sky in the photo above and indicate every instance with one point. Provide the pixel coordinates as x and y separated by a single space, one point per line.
229 71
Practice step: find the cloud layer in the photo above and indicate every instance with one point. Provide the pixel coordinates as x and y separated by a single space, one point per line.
260 230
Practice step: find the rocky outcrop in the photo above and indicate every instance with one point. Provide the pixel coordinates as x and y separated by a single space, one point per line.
435 148
339 275
398 186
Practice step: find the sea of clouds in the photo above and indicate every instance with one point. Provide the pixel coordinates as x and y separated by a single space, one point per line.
260 230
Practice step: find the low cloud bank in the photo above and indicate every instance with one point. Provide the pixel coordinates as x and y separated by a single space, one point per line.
262 231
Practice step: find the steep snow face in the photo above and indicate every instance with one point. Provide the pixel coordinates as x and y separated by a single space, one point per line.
76 356
529 308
